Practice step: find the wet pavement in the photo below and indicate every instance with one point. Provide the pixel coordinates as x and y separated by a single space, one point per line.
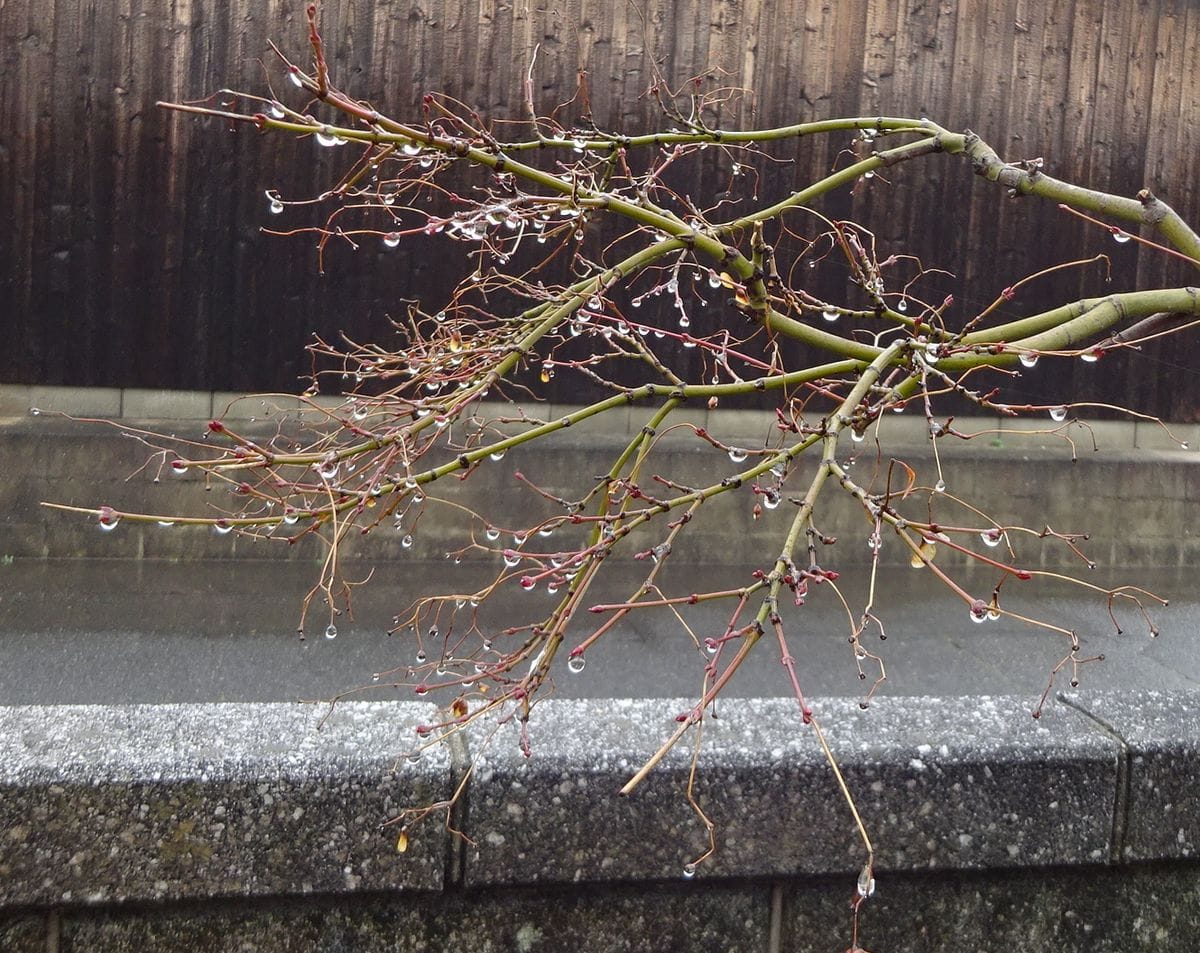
117 632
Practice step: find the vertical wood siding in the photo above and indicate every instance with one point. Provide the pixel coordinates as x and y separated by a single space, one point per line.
130 252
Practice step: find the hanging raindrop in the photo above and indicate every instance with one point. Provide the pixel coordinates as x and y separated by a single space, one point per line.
866 883
1029 359
391 239
1058 414
1121 237
737 454
575 664
327 469
331 631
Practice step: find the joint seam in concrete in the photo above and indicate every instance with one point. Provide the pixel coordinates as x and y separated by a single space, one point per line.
459 812
53 932
1120 821
775 924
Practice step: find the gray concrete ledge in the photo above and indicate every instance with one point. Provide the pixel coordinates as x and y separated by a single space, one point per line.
1160 736
943 783
22 400
153 803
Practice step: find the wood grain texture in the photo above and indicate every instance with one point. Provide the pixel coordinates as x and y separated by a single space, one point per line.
132 252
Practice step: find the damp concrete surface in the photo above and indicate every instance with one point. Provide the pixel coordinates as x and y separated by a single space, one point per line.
145 631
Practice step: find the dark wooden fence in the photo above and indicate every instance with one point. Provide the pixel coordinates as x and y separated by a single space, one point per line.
131 252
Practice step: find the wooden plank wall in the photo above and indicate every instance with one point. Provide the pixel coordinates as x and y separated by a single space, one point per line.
132 254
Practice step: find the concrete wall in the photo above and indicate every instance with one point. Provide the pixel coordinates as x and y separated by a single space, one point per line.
1131 489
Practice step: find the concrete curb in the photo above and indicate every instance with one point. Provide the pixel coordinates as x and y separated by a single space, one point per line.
155 802
148 803
944 783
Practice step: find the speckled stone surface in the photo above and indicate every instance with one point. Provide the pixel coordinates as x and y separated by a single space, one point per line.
1161 731
23 934
101 804
942 783
1090 910
617 920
